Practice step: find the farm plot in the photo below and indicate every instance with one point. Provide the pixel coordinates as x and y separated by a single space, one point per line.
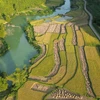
80 40
69 35
47 38
93 60
25 92
70 65
44 67
89 37
76 83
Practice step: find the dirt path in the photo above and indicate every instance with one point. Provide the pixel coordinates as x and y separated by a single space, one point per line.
90 20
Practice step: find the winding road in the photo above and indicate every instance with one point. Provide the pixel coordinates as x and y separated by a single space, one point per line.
90 21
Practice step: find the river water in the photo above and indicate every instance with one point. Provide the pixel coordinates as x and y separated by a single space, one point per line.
20 50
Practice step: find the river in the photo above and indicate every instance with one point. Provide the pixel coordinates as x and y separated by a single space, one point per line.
20 50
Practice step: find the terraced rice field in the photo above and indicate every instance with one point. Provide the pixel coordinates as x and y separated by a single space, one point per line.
93 59
89 37
70 74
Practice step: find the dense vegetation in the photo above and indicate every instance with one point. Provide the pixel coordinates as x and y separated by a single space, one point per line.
30 33
19 6
3 84
94 7
10 84
16 6
3 46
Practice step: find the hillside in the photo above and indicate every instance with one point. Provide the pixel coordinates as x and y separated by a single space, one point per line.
94 7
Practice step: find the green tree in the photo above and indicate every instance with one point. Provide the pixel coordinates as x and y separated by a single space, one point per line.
30 33
3 84
18 78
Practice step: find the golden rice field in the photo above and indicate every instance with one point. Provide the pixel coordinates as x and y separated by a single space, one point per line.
69 75
25 93
93 59
47 38
89 37
69 35
80 38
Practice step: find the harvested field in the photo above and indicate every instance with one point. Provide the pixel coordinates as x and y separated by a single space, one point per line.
51 28
62 94
41 28
63 28
85 72
58 28
61 44
41 88
74 41
69 24
38 78
76 28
